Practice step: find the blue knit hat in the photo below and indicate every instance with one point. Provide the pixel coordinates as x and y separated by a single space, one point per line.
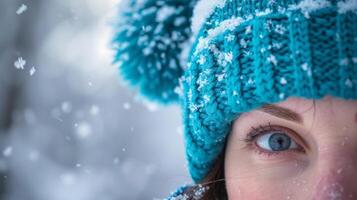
243 54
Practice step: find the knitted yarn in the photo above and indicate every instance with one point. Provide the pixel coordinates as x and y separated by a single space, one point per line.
244 54
250 53
149 40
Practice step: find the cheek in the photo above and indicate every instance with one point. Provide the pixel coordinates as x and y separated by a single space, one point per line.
249 189
258 189
251 177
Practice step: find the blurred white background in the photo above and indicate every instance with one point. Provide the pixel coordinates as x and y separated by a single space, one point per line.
69 128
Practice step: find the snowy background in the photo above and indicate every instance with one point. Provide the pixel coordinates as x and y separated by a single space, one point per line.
69 129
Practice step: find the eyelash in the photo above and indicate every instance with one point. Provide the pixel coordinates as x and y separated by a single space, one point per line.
255 132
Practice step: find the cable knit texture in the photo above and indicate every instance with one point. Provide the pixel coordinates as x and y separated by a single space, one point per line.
250 53
247 53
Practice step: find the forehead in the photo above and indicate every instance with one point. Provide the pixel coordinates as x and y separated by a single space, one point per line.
332 106
298 105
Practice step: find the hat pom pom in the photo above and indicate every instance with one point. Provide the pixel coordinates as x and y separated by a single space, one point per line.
149 39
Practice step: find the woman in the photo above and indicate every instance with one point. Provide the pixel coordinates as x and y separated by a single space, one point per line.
268 91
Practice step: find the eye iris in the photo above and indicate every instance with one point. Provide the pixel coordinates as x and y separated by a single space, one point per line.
279 142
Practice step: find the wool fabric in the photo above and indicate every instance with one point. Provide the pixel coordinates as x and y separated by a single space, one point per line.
249 53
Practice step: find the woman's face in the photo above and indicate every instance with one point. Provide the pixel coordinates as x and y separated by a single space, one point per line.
294 150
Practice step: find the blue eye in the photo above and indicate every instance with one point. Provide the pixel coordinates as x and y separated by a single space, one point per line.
276 141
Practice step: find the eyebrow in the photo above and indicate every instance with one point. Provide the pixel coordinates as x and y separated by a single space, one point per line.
281 112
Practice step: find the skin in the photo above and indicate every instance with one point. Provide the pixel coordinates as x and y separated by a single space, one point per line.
323 167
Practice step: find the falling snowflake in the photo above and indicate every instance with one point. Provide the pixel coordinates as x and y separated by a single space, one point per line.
66 107
126 106
32 71
94 110
7 151
164 13
83 129
20 63
34 155
21 9
116 161
68 179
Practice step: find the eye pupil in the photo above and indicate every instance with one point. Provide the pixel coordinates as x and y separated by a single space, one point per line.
279 142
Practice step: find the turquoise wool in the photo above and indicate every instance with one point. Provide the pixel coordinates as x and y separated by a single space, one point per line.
250 53
149 39
247 53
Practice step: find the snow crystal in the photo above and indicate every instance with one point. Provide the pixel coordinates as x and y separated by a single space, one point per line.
201 60
262 50
206 98
346 6
7 151
280 29
283 81
272 59
277 45
229 24
202 11
83 129
250 81
248 30
32 71
164 13
307 6
281 95
21 9
243 43
201 83
225 58
230 37
262 13
193 107
200 191
304 66
220 77
20 63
